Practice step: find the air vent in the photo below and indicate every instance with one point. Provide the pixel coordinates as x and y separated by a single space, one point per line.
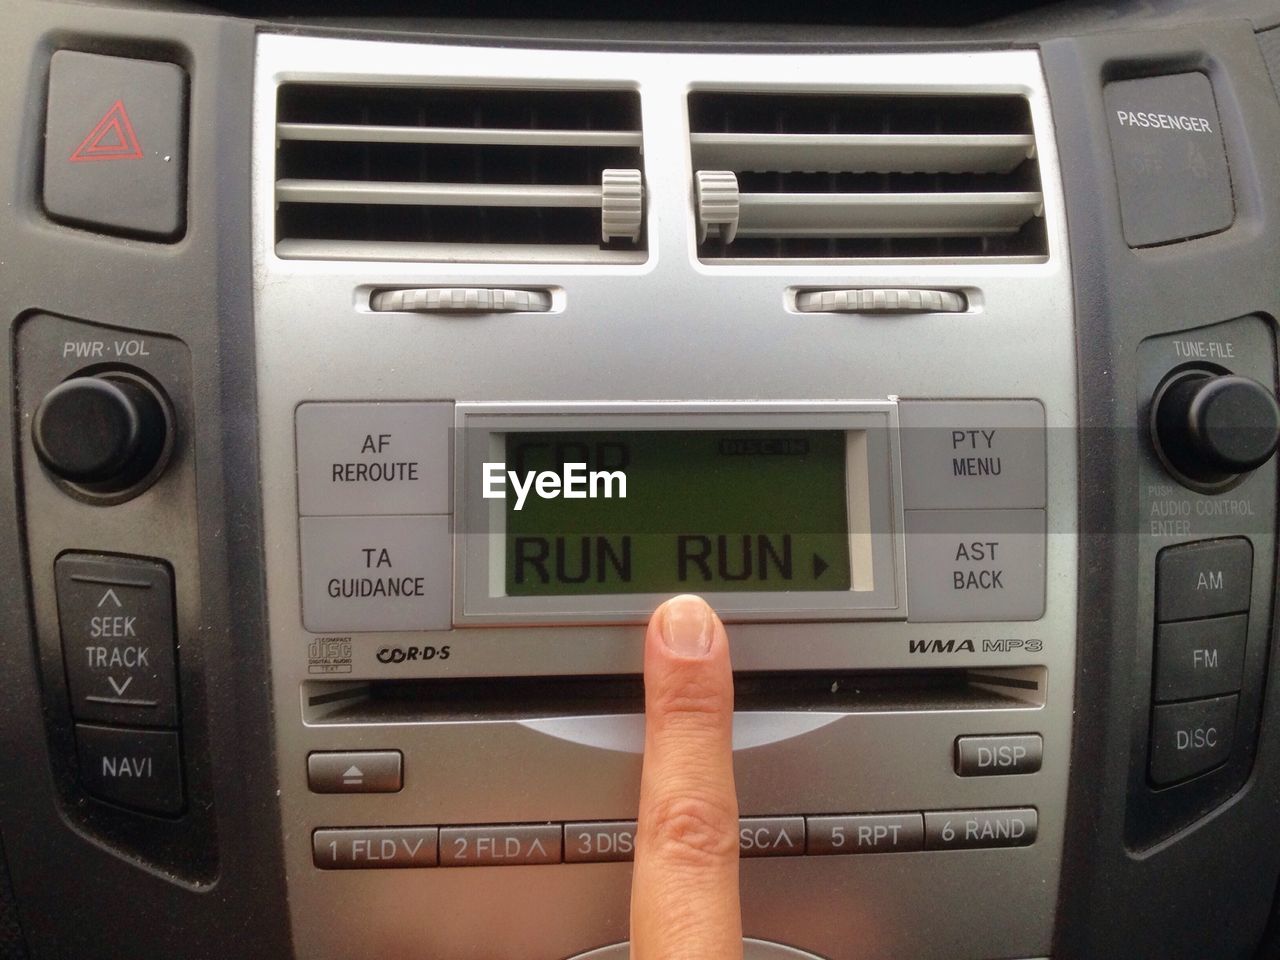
449 174
829 177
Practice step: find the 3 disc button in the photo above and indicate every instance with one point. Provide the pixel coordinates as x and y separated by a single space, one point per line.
117 623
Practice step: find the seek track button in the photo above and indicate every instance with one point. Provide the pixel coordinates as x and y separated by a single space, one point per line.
117 623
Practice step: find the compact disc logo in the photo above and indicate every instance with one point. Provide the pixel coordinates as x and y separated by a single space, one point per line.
412 654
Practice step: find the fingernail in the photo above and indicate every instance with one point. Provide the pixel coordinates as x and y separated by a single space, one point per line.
686 626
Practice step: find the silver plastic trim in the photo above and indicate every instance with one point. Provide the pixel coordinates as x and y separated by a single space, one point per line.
862 152
460 136
438 194
664 326
885 214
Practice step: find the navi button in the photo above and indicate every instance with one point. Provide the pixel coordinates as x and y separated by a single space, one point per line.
140 769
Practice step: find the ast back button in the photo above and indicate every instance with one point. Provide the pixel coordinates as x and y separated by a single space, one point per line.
117 624
866 833
978 829
1191 738
771 836
998 756
511 846
374 848
138 769
352 771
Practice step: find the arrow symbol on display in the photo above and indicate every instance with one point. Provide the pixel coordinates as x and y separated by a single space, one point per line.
110 595
119 688
819 566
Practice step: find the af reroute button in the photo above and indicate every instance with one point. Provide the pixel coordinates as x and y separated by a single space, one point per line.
1170 161
115 145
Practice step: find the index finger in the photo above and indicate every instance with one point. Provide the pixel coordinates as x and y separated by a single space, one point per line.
684 897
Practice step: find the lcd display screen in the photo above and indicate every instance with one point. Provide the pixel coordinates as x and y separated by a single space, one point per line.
657 511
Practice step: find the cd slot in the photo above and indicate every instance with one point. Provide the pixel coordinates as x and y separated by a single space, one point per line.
466 699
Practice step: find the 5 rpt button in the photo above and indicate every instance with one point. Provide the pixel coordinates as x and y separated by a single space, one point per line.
1188 739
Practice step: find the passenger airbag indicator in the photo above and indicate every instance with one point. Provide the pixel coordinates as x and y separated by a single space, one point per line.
703 510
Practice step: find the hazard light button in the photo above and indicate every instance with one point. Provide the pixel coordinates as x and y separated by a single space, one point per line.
115 145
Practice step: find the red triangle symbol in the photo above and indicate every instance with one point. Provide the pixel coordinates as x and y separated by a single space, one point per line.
112 139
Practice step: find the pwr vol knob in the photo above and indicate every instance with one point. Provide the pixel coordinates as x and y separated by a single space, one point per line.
1210 429
107 434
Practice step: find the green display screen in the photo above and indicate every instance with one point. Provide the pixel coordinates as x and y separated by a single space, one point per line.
704 511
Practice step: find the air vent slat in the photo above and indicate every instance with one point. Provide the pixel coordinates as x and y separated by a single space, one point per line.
458 174
436 194
465 136
861 152
884 214
857 176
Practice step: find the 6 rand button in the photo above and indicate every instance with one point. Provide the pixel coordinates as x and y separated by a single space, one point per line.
980 829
